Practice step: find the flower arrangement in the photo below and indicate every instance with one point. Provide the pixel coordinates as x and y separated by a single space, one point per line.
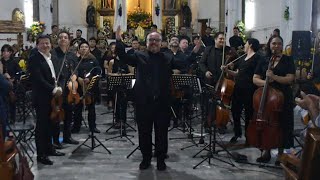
37 28
139 18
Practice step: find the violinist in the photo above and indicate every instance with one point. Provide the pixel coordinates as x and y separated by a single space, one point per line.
281 77
244 87
43 76
87 63
10 69
62 53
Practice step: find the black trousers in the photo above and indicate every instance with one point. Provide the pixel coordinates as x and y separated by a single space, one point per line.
153 113
91 115
242 99
43 129
121 107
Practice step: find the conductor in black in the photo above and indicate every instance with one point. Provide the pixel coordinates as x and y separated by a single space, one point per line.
152 96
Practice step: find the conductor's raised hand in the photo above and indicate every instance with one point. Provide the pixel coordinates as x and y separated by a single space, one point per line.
118 33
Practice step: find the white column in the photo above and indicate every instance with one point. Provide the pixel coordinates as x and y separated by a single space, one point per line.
72 14
46 14
157 19
234 9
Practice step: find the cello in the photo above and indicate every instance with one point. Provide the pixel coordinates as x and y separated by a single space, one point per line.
224 90
264 129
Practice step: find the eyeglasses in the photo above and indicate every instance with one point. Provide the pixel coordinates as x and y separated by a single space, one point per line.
154 40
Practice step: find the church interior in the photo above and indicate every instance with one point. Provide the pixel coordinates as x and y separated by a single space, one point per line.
80 84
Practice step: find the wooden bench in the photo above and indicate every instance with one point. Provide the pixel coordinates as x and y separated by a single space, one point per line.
308 166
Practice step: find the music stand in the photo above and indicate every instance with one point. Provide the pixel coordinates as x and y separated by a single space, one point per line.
212 152
120 84
92 137
191 82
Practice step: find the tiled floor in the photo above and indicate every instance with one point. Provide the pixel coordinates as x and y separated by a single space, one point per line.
99 165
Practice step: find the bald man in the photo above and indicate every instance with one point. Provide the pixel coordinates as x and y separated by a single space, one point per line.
152 96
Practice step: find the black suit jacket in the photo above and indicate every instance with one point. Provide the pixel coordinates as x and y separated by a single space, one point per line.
144 82
42 81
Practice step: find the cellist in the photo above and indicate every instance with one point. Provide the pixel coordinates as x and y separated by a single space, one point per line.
244 87
62 53
281 76
211 62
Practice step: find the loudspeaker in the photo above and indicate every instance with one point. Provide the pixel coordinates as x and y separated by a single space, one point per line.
301 45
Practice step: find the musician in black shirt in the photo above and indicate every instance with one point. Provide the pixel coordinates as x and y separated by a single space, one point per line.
244 87
236 41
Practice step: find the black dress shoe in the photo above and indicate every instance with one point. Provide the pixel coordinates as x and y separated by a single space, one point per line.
145 164
70 141
56 153
95 130
161 165
44 160
57 145
234 139
75 130
263 159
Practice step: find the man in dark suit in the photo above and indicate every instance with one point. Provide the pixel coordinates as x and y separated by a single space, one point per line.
152 96
42 75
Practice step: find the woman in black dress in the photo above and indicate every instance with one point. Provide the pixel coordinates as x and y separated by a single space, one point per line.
281 75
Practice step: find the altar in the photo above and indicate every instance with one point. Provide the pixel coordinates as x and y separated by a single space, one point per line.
140 14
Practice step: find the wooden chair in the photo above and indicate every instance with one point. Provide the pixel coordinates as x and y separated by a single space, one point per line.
8 151
308 166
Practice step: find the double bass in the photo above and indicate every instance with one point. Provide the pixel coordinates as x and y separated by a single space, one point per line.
264 129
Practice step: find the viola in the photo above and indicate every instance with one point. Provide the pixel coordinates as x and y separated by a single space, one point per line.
264 129
73 96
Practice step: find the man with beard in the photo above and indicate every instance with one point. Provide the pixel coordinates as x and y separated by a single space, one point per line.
152 96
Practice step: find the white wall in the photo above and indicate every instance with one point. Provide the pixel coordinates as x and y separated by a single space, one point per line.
72 14
204 9
6 8
266 16
45 14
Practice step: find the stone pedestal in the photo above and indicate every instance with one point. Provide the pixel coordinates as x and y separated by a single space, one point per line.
92 32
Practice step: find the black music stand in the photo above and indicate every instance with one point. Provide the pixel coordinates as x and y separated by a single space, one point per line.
120 84
211 146
192 83
93 139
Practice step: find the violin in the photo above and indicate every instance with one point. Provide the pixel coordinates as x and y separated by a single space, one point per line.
57 112
73 96
264 129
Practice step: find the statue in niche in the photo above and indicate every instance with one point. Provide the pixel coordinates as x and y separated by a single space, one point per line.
170 4
186 15
91 13
17 15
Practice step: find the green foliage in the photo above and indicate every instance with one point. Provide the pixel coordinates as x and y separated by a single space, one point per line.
286 14
242 29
